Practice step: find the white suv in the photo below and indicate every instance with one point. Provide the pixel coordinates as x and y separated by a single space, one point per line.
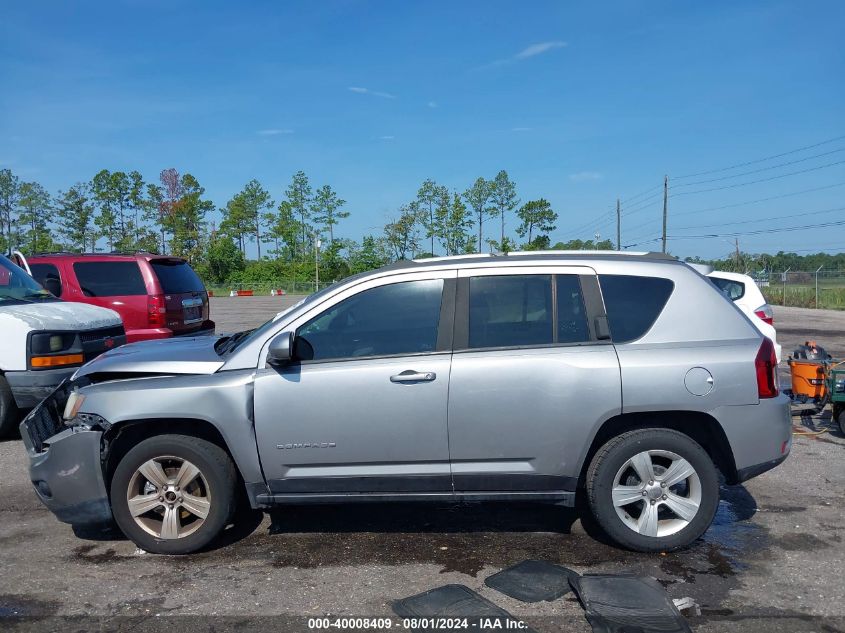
743 291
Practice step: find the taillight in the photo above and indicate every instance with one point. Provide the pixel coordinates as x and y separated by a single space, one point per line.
764 312
156 310
766 365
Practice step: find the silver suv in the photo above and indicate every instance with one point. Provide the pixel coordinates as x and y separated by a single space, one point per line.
628 378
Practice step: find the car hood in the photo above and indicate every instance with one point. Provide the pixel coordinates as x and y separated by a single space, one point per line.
194 355
60 315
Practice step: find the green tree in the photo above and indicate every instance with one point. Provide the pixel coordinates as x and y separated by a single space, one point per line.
283 228
236 221
452 222
503 199
75 215
105 219
35 206
9 195
299 196
223 258
327 209
136 204
188 219
400 234
536 215
429 196
478 196
373 253
155 212
254 200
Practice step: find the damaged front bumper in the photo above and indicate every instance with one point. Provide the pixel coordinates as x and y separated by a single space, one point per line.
65 467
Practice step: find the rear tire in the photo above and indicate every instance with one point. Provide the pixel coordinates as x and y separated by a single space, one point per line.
9 414
652 490
173 494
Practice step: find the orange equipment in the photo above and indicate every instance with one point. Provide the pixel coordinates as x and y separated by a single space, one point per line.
808 366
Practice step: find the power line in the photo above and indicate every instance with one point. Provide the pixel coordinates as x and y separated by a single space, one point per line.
642 193
757 171
760 231
760 160
754 182
739 204
777 217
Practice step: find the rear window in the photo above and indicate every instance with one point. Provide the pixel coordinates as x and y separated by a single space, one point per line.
633 303
109 279
177 277
510 310
733 289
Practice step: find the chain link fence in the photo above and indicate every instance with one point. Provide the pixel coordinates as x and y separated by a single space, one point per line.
284 286
804 289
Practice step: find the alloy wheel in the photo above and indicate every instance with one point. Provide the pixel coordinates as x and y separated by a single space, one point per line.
656 493
168 497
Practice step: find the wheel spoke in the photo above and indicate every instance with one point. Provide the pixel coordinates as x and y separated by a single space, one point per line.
197 506
647 523
187 473
154 473
624 495
641 463
677 472
684 508
143 503
170 524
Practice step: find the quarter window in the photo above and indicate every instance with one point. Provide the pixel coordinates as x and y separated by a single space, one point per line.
733 289
510 310
400 318
48 276
109 279
633 303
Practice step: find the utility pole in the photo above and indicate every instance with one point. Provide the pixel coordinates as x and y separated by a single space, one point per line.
665 207
317 245
618 225
736 253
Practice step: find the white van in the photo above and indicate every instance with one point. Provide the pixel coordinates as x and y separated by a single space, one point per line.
44 340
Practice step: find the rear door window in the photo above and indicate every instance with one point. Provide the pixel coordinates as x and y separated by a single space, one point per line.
109 279
177 277
733 289
633 303
510 311
48 276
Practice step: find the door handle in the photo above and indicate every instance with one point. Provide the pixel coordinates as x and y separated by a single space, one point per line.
414 376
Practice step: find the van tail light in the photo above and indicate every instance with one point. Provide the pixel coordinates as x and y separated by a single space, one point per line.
766 365
765 313
156 311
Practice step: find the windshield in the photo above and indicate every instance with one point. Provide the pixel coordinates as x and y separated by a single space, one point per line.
228 344
18 287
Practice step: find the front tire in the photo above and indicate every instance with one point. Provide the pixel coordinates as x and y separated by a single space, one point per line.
653 490
173 494
9 416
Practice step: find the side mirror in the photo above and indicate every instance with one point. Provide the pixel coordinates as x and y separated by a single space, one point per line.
281 349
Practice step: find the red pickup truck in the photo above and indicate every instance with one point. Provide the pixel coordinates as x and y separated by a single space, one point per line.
156 296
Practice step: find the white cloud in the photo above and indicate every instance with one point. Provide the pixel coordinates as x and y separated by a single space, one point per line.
526 53
521 129
274 132
387 137
432 104
584 176
375 93
539 49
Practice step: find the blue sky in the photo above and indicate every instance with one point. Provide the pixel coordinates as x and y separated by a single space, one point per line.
580 102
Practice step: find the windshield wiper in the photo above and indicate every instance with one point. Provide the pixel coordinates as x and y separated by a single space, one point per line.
228 343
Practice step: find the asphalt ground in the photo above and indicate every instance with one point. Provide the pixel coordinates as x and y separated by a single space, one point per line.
773 560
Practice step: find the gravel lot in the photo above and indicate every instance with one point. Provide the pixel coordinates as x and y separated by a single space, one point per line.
773 560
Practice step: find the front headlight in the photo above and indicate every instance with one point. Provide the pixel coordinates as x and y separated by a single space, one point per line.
54 349
839 386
